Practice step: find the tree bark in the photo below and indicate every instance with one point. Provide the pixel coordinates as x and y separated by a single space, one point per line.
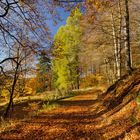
116 49
120 36
77 72
12 92
127 39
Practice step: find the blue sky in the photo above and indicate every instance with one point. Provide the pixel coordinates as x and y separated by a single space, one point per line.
64 16
53 29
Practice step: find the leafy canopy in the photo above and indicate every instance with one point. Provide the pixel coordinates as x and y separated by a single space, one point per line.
66 48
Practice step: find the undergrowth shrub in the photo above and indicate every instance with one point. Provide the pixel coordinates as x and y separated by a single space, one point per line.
48 106
91 80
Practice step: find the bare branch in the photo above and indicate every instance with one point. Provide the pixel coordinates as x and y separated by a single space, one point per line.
7 7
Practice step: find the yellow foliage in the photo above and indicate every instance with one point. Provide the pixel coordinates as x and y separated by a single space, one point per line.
31 85
28 90
91 80
5 94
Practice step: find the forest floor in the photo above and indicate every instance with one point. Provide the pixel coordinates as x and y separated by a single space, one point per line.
76 118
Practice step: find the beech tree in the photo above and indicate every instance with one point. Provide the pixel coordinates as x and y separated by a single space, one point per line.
16 14
15 70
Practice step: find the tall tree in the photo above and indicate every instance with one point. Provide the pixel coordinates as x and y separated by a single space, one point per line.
43 76
127 37
16 70
66 49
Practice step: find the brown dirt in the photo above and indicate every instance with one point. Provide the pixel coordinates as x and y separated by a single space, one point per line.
75 119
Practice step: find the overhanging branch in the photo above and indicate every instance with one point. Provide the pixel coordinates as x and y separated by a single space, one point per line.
68 1
7 7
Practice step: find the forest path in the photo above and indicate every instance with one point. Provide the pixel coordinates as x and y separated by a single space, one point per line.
72 120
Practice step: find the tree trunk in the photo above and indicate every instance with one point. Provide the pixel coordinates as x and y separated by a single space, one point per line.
12 92
116 49
120 36
127 39
77 72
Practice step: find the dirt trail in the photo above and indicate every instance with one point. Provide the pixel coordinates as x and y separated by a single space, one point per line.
73 120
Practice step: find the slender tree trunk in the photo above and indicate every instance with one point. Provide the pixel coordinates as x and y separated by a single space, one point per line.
127 39
116 49
78 80
120 36
78 73
12 92
50 81
107 71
